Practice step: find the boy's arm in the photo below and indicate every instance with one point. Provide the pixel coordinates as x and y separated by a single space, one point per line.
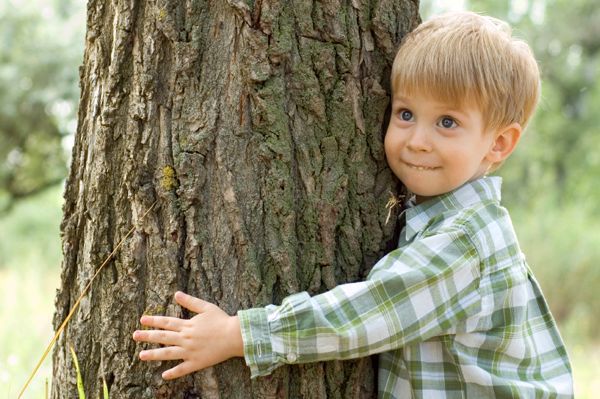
425 289
210 337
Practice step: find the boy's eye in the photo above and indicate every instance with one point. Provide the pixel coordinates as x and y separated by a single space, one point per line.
406 115
448 123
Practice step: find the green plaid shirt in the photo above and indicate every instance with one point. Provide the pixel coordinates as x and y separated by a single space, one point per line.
454 312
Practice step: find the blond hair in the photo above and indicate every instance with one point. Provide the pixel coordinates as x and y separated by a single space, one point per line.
466 58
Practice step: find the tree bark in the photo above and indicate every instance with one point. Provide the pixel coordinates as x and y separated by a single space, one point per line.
257 126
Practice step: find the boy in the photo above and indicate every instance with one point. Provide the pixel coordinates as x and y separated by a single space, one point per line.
454 312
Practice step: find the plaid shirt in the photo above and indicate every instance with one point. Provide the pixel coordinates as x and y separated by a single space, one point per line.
454 312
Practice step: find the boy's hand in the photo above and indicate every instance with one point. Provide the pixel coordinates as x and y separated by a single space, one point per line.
206 339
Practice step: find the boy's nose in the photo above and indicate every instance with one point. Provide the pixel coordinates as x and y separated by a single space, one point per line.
419 139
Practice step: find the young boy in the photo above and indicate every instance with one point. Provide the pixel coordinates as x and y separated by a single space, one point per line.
454 312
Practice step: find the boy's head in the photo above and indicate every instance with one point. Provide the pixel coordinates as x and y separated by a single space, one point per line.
463 58
463 90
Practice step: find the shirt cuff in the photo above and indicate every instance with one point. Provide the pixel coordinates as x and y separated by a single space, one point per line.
256 335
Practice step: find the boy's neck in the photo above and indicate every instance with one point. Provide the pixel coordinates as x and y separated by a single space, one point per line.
419 199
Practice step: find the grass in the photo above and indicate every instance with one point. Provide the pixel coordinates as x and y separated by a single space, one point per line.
80 388
564 261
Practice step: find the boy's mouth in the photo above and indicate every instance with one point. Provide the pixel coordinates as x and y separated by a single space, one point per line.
420 167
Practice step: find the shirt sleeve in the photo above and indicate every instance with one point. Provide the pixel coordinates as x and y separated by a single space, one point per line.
424 289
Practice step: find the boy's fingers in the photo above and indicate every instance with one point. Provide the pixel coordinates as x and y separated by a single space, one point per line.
157 337
160 354
180 370
164 322
192 303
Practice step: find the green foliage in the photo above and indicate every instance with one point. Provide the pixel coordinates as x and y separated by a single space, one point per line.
42 45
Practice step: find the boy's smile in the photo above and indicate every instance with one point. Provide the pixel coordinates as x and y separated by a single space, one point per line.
421 167
434 147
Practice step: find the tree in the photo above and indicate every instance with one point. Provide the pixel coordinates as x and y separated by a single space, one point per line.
257 126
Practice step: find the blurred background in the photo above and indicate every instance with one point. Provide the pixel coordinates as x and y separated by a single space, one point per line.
550 183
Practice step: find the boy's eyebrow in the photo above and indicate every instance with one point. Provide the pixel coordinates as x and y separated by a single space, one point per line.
454 110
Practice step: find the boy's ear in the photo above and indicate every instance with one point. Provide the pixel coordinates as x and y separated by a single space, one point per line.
505 142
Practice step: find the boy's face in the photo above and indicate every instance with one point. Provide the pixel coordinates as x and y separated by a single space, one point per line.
433 147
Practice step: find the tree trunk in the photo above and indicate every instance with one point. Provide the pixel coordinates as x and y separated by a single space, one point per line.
257 126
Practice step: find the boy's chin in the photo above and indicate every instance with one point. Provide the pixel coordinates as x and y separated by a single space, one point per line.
427 188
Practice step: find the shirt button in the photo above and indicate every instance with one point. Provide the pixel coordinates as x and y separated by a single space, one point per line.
292 357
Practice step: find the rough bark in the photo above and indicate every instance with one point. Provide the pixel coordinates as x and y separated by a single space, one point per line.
257 125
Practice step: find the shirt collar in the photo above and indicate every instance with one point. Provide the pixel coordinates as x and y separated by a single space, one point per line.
470 193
